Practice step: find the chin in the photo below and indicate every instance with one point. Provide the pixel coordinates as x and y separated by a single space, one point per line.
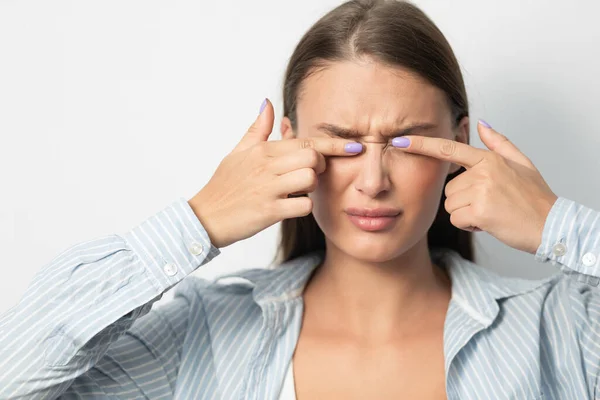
372 249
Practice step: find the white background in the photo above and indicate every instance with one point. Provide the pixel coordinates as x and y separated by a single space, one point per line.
111 110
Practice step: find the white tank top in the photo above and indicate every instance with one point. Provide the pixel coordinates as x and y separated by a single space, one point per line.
288 390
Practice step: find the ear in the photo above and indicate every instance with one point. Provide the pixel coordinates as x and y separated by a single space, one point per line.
286 129
461 134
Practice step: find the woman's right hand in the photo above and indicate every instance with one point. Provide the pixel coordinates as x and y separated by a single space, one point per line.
249 190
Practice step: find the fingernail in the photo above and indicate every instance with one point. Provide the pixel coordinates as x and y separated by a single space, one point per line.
400 142
353 147
262 106
482 122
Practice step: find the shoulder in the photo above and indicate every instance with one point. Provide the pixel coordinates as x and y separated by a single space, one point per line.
246 285
239 284
259 286
564 289
469 278
563 285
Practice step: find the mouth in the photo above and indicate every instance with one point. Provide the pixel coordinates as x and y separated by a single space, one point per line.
372 220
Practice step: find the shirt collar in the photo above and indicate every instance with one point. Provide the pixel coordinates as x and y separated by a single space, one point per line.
474 288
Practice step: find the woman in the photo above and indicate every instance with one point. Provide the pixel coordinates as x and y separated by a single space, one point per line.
376 295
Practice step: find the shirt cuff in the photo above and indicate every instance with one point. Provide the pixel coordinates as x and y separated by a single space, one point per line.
570 238
172 244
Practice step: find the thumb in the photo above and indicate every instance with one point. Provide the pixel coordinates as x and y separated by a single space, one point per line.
260 130
500 144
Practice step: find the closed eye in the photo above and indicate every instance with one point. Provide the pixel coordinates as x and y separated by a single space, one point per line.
346 133
359 138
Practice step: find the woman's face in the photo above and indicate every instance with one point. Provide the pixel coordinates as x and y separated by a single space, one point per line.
376 102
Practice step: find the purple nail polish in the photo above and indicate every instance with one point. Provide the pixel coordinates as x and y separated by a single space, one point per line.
482 122
262 106
353 147
400 142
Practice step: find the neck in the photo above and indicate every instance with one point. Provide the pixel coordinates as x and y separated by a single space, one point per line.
374 300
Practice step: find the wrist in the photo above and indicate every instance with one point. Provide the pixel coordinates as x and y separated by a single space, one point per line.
205 220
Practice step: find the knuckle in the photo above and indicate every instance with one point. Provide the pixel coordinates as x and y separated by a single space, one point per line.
305 206
309 179
322 165
502 138
454 220
312 157
307 143
253 128
334 147
448 147
417 144
446 205
448 189
310 176
478 211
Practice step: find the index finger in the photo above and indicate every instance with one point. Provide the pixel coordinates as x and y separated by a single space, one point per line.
443 149
325 145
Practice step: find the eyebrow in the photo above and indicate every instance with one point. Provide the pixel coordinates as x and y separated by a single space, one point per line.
352 133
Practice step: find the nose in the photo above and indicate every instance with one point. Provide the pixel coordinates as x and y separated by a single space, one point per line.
373 178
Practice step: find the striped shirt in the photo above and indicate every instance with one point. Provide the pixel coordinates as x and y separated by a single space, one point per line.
85 327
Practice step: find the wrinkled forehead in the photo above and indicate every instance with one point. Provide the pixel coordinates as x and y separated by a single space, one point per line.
370 97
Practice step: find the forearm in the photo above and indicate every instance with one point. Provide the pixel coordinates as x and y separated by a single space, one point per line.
89 296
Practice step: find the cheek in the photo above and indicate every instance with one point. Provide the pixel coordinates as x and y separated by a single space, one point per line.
425 170
419 181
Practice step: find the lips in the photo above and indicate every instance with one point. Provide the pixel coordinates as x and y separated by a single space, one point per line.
373 212
372 220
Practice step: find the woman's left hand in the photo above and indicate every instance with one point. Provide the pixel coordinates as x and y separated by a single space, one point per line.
501 191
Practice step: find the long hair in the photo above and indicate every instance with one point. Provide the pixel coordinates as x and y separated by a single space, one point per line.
395 33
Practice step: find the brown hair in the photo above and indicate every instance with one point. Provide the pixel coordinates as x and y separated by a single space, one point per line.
396 33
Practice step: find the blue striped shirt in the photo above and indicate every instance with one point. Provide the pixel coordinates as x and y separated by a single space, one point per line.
85 327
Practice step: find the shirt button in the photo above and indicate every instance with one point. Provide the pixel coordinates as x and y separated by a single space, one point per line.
196 248
589 259
559 249
170 269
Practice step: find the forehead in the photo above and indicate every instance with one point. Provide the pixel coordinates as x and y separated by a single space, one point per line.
369 96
